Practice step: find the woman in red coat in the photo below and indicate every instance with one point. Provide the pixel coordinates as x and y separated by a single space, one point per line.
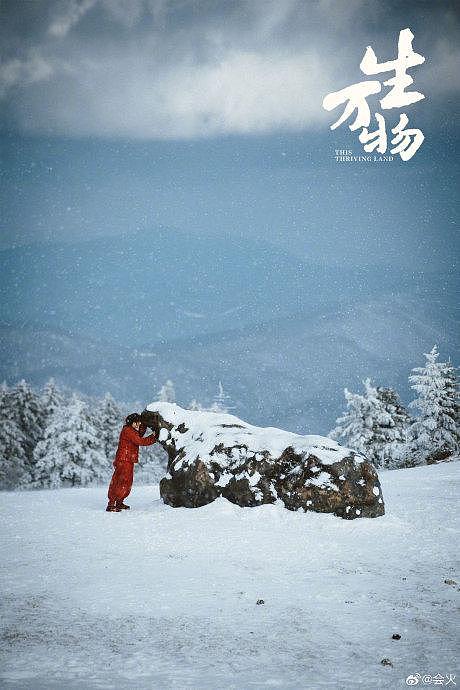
127 455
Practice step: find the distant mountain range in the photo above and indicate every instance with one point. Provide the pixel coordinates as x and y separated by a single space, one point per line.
283 335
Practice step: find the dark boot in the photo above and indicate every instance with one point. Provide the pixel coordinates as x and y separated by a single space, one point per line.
123 506
113 508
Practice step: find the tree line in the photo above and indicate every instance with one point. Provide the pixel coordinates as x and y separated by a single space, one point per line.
54 437
377 424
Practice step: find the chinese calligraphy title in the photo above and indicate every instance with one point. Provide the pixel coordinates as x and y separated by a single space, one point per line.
406 141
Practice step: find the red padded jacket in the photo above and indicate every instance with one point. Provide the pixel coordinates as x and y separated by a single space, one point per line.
128 444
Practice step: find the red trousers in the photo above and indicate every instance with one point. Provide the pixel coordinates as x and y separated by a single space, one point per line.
121 483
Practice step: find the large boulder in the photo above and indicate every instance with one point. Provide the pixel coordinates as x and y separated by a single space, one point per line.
212 454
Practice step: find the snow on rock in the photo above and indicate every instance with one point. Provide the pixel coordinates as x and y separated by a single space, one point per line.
215 454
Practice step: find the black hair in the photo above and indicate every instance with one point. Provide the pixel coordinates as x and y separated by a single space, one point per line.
131 418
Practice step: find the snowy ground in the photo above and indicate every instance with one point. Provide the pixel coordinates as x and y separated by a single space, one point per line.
166 598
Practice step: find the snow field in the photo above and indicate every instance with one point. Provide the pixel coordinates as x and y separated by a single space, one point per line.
167 598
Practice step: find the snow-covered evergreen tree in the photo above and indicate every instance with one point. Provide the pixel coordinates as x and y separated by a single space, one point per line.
167 392
435 433
195 405
222 401
108 418
71 452
374 424
14 468
24 407
152 464
355 428
51 398
389 444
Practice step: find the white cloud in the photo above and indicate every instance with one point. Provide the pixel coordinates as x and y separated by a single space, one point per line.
264 67
69 14
242 92
33 68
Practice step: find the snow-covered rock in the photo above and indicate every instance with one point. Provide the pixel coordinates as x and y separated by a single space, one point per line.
215 454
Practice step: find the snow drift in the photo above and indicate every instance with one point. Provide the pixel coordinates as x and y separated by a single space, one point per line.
215 454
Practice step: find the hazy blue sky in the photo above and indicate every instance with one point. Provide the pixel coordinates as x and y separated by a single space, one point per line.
284 188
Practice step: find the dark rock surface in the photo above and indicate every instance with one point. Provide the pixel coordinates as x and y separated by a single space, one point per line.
215 454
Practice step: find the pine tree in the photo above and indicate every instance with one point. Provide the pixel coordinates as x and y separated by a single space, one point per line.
24 407
374 424
14 472
356 427
71 452
390 442
108 419
167 392
51 398
152 464
435 434
195 405
222 401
